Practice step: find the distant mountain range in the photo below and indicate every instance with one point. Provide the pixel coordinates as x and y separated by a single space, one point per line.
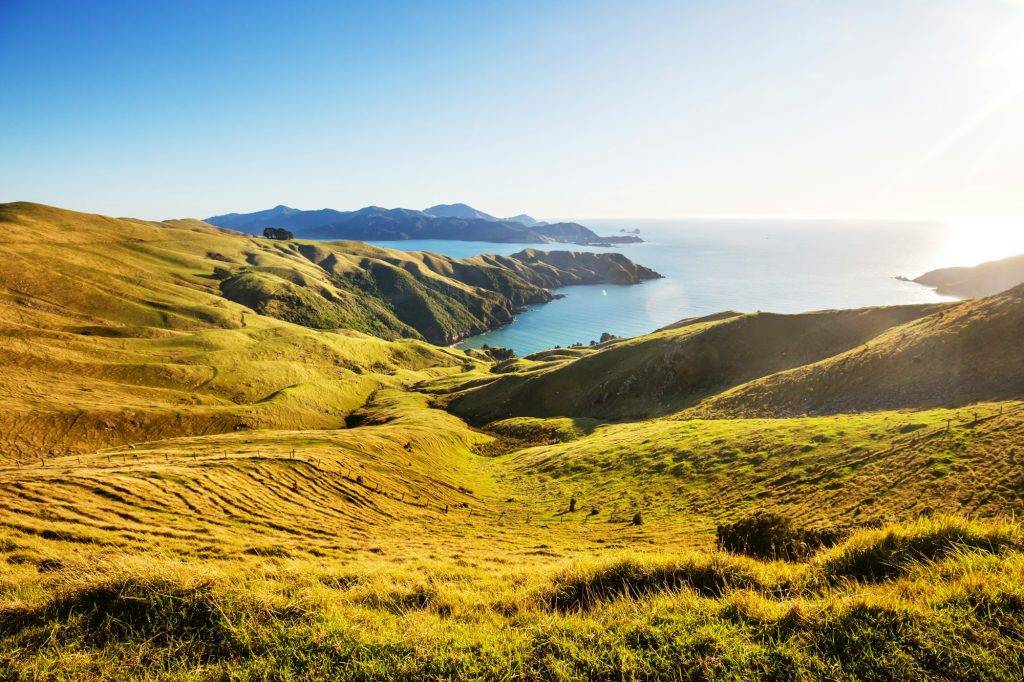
465 211
444 221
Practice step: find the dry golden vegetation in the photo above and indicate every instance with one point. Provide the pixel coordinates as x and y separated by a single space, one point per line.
193 489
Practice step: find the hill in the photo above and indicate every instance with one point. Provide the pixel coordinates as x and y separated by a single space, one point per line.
525 220
458 211
965 353
395 294
279 216
373 223
981 280
193 488
765 364
465 211
121 330
678 366
388 293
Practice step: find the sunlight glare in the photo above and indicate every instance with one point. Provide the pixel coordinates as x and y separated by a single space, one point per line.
971 242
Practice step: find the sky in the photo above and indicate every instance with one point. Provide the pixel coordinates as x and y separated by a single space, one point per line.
833 109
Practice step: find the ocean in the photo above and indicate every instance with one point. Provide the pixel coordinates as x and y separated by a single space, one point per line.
716 265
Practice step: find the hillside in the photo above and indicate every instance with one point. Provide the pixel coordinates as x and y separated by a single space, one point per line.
395 294
771 365
678 366
388 293
195 487
373 223
968 352
121 330
974 282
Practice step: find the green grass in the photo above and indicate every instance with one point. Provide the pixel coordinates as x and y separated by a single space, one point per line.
191 489
677 368
651 615
691 474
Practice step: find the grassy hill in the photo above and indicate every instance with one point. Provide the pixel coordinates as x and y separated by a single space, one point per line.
963 354
766 364
115 331
177 274
222 457
121 330
679 365
343 553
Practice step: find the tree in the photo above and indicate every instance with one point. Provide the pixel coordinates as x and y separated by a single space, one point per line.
498 353
277 233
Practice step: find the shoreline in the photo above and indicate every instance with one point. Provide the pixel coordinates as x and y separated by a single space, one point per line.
555 297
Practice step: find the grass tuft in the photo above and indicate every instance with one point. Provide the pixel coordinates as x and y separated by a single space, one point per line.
583 587
874 555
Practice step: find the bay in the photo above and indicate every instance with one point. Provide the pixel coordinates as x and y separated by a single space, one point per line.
716 265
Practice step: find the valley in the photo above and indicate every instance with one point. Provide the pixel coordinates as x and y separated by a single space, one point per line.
231 457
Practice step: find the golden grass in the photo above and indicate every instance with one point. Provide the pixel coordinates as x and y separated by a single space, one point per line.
651 614
190 490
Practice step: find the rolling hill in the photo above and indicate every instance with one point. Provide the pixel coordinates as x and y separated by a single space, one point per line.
965 353
121 330
388 293
678 366
227 457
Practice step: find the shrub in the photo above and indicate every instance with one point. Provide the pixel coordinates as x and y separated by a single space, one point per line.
768 535
134 608
277 233
498 353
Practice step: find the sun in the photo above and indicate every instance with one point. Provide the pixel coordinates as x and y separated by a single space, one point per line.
970 242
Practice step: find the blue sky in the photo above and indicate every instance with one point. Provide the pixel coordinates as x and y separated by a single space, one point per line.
893 108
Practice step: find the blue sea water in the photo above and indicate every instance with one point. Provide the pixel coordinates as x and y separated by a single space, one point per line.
710 266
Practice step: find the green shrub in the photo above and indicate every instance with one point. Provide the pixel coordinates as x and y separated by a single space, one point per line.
768 535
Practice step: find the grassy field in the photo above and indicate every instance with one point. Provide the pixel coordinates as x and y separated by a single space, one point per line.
190 489
392 549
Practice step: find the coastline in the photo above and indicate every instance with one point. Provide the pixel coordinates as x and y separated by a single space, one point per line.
555 296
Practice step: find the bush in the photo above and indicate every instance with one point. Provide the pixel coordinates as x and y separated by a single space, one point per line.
498 353
768 535
277 233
